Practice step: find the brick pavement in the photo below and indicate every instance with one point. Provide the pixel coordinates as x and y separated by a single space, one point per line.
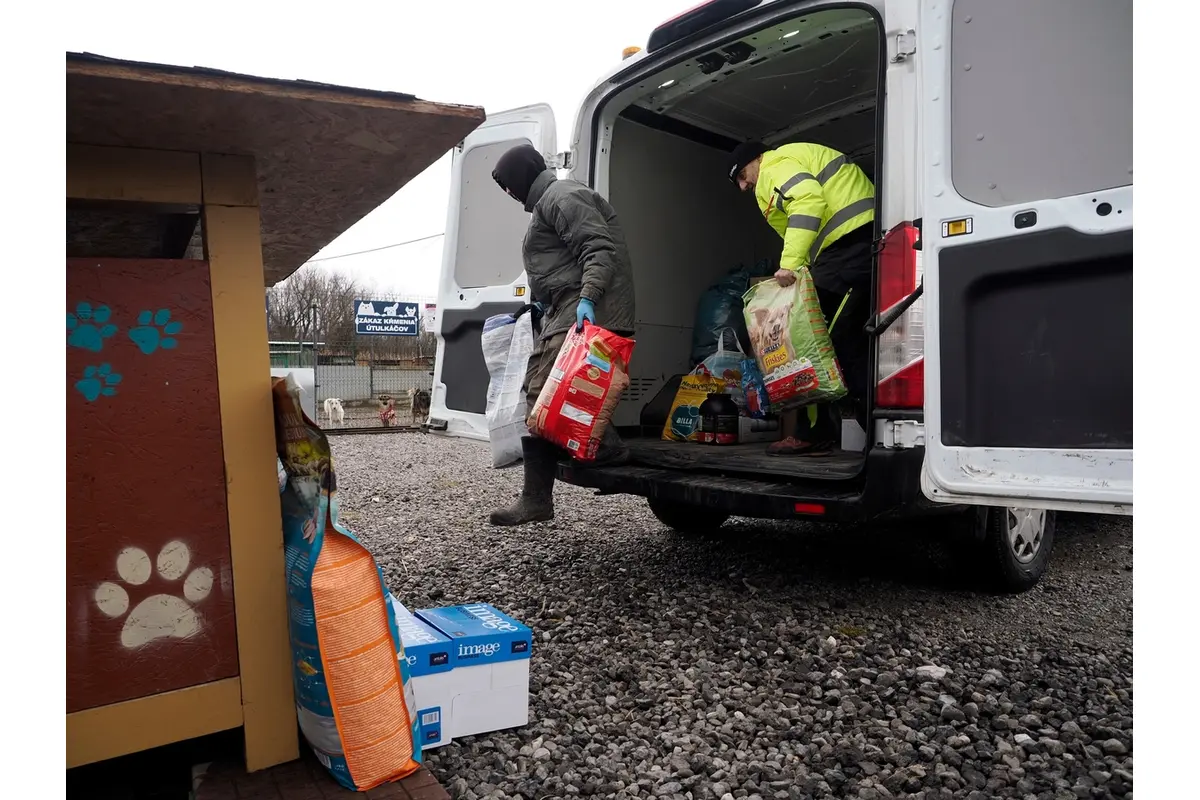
304 779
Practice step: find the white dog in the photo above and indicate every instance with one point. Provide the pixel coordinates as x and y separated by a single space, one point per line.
334 411
390 311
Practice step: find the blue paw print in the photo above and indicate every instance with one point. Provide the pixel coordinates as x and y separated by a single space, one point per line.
97 381
155 330
89 327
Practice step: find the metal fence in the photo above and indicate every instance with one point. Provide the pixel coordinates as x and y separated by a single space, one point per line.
374 377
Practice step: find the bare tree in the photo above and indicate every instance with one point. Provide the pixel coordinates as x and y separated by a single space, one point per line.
334 295
292 301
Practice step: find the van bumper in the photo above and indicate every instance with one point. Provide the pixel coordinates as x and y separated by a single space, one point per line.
890 485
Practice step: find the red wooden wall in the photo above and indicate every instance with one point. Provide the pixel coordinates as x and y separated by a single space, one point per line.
149 584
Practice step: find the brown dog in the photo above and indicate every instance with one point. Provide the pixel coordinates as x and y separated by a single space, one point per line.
387 410
418 404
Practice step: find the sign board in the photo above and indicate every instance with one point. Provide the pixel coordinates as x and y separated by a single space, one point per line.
429 317
386 318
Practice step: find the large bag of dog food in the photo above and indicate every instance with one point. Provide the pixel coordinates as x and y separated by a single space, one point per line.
507 345
584 387
683 423
791 342
354 700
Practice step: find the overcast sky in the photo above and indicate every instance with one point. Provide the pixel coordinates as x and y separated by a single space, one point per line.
499 54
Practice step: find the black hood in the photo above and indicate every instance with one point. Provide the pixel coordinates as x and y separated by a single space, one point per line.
518 169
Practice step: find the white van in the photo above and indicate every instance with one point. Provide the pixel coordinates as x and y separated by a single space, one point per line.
999 136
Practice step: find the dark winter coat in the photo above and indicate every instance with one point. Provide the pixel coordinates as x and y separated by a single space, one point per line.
574 248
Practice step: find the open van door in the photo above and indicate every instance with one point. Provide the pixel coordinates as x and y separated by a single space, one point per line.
482 270
1027 238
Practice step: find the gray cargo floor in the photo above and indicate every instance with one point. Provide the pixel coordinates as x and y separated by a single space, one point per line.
744 458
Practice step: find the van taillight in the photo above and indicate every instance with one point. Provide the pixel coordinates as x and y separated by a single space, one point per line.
694 20
900 370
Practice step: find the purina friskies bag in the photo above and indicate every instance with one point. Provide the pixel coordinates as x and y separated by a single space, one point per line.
791 342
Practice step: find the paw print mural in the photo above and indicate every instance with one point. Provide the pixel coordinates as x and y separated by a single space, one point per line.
98 381
88 327
159 616
155 330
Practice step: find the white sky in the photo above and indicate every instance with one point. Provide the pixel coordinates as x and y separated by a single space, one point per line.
498 55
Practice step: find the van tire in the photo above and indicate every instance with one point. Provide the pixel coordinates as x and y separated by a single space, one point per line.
1008 548
687 519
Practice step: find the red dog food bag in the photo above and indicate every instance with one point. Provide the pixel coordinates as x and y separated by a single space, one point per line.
589 376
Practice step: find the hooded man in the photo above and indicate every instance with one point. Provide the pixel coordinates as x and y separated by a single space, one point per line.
824 208
579 271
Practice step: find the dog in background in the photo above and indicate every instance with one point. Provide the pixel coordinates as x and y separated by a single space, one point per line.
387 410
334 413
418 404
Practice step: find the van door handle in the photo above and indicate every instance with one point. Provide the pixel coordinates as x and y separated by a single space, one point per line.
882 322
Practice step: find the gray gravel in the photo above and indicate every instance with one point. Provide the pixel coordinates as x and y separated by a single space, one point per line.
773 661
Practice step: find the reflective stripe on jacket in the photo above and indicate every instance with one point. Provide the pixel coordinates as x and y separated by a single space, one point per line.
812 196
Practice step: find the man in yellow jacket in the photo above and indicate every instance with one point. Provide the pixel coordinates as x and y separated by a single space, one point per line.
824 208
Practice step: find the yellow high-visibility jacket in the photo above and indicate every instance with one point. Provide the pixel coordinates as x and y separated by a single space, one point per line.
812 196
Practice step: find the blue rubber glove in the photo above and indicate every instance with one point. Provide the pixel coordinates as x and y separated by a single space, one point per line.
586 310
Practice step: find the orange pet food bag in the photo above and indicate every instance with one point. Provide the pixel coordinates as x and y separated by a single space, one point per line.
354 700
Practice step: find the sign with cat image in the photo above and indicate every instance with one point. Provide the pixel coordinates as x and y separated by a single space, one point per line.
387 318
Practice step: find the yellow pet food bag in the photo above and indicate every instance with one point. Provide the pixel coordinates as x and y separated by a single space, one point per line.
683 423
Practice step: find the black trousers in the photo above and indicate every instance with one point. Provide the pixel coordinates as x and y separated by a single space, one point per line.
846 264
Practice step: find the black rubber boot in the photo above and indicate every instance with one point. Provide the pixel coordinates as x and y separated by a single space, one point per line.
536 503
613 452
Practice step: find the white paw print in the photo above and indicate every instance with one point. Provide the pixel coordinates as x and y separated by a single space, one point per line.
160 616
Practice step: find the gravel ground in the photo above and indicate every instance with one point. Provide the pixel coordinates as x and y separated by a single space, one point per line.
773 661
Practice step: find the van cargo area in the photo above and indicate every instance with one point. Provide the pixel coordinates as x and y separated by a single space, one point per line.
813 78
1000 393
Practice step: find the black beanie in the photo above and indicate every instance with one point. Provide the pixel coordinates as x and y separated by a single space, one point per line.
742 155
518 169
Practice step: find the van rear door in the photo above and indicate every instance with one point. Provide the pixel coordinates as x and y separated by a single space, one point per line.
1027 237
482 270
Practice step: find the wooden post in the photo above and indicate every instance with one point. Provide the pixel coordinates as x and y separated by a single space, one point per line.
234 251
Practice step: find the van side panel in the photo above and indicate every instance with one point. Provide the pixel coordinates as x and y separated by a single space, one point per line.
1040 110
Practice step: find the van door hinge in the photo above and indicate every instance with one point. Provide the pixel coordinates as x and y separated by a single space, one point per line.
906 45
559 161
900 434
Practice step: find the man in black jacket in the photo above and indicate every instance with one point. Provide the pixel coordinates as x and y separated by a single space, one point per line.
578 268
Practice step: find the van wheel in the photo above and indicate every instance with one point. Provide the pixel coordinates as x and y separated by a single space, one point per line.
685 518
1010 547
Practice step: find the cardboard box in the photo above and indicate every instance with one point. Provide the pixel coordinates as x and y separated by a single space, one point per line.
752 430
430 657
488 688
853 436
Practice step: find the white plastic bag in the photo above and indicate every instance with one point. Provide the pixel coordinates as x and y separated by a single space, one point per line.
726 364
507 345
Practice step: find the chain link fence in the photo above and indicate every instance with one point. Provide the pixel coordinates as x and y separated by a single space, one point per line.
379 379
